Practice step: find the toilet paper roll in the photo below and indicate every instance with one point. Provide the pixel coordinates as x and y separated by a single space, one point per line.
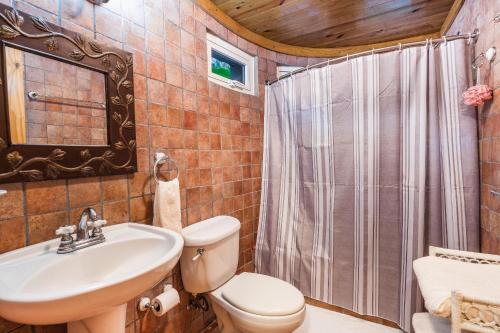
165 301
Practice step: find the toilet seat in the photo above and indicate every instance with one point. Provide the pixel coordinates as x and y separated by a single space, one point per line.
262 295
233 319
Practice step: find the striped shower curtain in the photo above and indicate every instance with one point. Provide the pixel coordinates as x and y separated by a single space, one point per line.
366 164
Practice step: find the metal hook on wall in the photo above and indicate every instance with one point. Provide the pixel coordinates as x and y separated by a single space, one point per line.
489 56
478 61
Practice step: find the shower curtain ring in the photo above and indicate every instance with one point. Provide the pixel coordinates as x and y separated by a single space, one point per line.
373 51
400 47
469 40
347 57
444 39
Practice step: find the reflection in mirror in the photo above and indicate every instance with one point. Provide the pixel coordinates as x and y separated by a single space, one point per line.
53 102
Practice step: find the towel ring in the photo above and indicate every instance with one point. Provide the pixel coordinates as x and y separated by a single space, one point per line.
162 158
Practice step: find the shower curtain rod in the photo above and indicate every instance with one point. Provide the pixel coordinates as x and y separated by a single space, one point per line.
472 36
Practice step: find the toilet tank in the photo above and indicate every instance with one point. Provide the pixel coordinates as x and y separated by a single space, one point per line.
218 240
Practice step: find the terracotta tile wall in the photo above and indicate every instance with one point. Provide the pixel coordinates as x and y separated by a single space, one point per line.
74 122
215 135
479 14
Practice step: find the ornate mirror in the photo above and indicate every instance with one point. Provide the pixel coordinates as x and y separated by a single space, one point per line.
67 103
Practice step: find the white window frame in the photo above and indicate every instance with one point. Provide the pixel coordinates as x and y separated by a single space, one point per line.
284 70
250 65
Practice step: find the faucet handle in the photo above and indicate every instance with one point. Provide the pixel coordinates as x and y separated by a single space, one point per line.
96 227
66 238
65 230
96 223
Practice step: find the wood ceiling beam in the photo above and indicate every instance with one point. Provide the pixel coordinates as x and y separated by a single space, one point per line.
300 51
452 14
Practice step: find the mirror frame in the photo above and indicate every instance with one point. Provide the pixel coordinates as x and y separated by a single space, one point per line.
41 162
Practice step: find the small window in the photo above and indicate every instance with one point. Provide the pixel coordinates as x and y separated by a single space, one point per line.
284 70
231 67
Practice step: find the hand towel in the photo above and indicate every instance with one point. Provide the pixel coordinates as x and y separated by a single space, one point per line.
167 205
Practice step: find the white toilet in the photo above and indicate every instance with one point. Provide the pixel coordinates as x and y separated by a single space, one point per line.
248 302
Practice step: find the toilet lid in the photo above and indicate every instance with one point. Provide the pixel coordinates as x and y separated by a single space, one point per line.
263 295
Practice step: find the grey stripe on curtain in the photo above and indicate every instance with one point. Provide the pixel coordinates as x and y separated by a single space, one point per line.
367 163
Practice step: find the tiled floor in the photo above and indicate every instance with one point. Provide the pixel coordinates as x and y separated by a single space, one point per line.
322 320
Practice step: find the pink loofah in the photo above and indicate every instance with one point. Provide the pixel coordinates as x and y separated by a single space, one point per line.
476 95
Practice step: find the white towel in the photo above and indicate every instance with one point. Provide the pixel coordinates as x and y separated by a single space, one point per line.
438 277
167 205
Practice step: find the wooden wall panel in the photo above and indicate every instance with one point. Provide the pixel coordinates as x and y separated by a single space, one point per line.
14 68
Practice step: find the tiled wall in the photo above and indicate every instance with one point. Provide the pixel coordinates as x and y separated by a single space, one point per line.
479 14
78 120
214 134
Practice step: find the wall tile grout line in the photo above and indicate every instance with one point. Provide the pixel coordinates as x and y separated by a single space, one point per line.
93 21
68 203
59 12
25 211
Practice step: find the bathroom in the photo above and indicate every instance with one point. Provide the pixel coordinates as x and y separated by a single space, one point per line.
127 124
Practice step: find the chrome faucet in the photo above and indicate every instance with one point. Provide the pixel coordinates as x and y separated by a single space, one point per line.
83 226
88 232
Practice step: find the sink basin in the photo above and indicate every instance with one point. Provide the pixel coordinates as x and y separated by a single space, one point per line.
39 286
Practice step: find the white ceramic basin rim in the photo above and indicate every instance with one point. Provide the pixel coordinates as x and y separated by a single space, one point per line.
39 286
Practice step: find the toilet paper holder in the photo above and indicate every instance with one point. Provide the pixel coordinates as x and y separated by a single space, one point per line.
145 303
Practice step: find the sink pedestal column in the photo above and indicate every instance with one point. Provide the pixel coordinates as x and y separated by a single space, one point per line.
112 321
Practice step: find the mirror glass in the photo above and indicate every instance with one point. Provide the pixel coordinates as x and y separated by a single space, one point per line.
54 102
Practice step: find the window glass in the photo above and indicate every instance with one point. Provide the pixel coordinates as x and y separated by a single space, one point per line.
226 67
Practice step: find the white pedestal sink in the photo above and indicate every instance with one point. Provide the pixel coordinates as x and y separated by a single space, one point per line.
88 288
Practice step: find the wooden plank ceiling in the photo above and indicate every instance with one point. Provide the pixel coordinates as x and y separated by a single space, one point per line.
337 23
